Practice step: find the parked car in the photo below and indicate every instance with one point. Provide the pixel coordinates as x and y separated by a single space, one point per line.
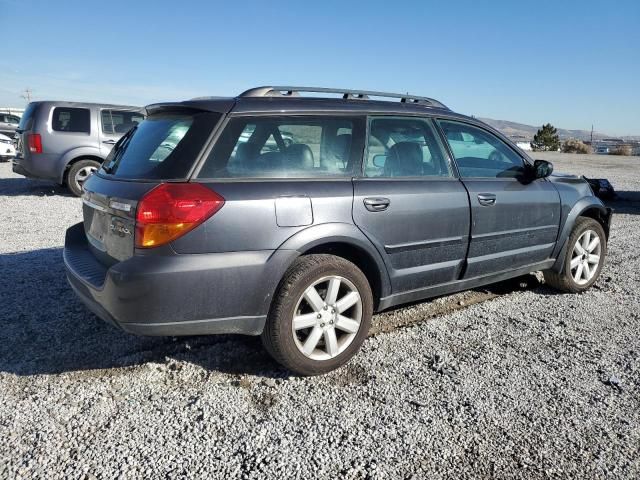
7 149
191 228
67 141
8 124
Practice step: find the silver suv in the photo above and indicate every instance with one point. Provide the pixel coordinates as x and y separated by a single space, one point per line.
205 219
67 141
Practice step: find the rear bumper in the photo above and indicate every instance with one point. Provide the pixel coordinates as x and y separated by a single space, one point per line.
177 294
43 169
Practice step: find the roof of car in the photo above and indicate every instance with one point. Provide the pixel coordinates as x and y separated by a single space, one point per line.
63 103
293 105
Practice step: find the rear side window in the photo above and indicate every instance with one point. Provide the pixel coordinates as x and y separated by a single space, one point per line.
67 119
287 147
163 146
404 147
115 122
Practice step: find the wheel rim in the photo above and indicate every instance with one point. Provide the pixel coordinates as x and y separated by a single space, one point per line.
327 318
585 257
83 174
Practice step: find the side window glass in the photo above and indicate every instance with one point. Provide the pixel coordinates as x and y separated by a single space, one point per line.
119 122
287 147
67 119
404 147
107 123
479 153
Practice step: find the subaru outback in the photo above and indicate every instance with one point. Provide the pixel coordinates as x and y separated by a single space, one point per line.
206 218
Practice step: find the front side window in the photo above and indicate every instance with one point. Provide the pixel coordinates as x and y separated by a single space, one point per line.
404 147
286 147
480 154
164 146
119 121
67 119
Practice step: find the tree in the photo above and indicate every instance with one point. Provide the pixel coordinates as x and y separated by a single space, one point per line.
622 150
546 139
575 146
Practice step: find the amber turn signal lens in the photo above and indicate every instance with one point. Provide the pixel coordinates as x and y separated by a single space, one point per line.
172 209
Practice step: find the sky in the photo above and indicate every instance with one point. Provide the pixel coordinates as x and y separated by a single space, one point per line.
571 63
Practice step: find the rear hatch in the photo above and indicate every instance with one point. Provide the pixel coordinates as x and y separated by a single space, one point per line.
162 149
24 129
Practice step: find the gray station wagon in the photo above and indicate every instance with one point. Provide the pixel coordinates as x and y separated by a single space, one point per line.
296 217
67 141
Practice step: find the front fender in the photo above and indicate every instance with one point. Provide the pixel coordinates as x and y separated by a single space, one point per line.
74 153
581 206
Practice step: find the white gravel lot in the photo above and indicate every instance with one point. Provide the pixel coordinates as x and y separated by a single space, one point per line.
526 383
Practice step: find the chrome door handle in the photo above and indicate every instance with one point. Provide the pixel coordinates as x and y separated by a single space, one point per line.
109 142
377 204
487 199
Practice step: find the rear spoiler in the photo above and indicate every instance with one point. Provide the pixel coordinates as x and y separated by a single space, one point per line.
218 105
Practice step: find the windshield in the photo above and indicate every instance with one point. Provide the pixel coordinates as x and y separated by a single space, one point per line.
163 146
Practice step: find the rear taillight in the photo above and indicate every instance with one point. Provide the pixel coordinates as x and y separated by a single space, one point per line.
171 210
35 143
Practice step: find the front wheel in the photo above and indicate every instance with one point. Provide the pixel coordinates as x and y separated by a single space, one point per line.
584 258
320 316
78 173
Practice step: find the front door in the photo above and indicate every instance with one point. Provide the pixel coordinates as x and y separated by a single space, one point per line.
515 220
410 204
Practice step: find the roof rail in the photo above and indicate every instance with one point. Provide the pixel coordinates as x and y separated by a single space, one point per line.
284 91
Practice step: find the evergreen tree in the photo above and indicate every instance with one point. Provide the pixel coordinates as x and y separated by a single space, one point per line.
546 139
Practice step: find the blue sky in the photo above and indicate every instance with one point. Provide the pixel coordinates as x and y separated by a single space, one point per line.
569 63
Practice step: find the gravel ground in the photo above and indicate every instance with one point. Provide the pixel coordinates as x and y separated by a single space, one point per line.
514 381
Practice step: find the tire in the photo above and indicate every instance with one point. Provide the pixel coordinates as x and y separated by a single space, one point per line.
566 280
315 319
78 173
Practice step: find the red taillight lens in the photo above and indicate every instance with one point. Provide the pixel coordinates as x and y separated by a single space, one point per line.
171 210
35 143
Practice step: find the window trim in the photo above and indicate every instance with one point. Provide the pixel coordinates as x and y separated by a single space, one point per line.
525 161
429 119
226 119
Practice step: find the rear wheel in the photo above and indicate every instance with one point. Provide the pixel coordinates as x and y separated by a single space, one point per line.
584 258
320 315
78 174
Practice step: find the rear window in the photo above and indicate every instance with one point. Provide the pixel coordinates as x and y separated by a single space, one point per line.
66 119
163 146
26 121
119 121
287 147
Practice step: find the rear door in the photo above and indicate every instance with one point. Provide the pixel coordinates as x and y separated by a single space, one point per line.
515 220
410 204
114 123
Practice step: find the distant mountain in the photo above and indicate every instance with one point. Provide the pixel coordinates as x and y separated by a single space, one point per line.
517 130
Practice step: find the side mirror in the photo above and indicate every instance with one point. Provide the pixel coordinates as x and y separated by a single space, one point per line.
542 169
379 160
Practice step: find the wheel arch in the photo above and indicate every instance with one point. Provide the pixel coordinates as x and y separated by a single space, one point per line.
590 207
346 241
74 156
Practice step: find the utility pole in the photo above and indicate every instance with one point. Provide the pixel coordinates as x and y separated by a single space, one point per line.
592 134
27 94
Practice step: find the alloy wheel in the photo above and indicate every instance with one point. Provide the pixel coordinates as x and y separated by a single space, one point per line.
327 318
585 257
